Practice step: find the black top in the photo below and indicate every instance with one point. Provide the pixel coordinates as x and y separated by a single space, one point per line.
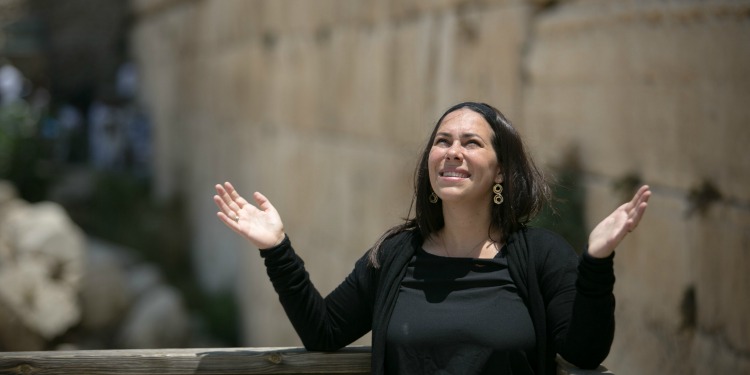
569 299
456 316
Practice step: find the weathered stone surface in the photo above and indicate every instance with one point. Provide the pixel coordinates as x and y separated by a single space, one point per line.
7 192
661 96
41 263
721 259
655 102
15 335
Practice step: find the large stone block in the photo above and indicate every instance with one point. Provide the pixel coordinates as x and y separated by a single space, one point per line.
479 57
711 355
720 242
634 87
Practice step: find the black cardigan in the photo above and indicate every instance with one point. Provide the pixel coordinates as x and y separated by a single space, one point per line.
569 298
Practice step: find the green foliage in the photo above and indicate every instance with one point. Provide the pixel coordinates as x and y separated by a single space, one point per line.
22 151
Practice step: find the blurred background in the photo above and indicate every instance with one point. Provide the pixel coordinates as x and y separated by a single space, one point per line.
118 117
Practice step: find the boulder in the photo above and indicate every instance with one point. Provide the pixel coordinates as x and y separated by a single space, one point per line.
105 293
41 265
157 320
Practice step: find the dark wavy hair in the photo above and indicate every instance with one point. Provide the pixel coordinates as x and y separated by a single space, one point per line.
525 190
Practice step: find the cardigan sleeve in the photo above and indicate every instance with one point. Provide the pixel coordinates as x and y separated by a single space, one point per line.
579 300
323 324
592 324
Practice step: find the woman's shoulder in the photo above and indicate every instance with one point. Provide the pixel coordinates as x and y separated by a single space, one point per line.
543 240
398 243
397 240
542 235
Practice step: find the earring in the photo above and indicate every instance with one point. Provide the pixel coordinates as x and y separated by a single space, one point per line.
433 197
497 189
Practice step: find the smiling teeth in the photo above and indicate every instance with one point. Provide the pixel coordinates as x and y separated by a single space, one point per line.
455 174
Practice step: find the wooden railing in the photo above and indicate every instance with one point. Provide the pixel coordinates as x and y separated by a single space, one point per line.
255 361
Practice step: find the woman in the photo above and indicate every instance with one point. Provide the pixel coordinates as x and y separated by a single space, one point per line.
463 287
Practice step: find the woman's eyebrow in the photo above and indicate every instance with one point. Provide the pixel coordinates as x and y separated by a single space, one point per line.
463 136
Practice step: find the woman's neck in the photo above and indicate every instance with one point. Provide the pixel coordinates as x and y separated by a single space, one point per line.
465 219
466 233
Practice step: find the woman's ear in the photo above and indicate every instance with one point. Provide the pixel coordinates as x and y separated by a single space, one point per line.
499 178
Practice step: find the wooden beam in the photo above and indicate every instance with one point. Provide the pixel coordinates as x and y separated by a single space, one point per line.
351 360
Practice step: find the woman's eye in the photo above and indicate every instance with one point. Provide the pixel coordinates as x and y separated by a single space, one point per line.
441 141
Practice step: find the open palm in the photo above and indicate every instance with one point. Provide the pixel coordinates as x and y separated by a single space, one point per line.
610 232
261 225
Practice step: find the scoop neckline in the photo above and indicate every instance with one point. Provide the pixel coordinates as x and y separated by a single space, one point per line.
425 252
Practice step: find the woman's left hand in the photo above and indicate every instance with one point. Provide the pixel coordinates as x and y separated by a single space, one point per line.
609 232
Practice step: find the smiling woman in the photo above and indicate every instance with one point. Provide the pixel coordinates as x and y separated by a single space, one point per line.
464 286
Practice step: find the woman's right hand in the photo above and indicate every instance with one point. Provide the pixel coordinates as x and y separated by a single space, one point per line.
260 225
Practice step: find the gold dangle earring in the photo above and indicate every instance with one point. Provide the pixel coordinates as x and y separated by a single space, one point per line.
498 189
433 197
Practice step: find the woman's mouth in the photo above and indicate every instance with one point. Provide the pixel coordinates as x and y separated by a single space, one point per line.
454 174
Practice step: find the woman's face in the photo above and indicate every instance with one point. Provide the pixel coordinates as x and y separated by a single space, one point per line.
462 163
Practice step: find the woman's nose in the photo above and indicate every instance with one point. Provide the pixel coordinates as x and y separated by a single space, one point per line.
454 152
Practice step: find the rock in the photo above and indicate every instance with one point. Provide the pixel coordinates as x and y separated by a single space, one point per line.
41 265
157 320
105 293
7 192
8 199
142 278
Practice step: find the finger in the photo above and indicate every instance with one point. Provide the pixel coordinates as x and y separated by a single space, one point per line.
236 197
643 193
639 197
221 204
221 194
227 198
637 216
225 209
639 212
232 224
263 202
634 200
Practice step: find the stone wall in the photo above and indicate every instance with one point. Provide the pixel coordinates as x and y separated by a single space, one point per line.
323 105
654 91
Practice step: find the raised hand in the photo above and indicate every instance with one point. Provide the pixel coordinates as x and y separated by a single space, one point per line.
260 225
610 231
